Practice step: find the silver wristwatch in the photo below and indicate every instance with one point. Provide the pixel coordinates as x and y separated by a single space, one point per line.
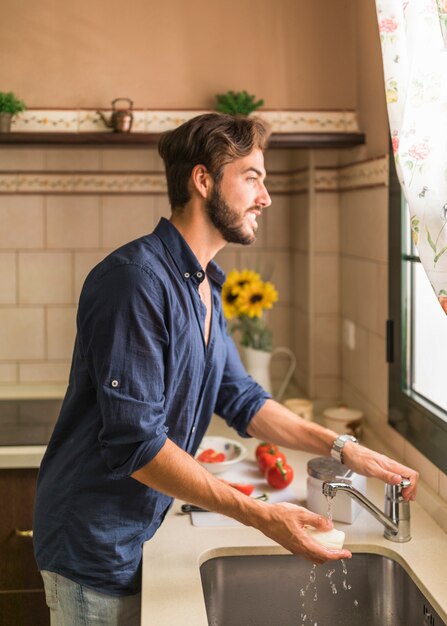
339 444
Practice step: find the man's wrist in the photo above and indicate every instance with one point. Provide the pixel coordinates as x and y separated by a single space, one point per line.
338 445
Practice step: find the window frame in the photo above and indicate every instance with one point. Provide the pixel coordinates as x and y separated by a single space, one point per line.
417 420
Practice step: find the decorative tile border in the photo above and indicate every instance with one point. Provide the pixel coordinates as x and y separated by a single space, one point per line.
159 121
120 183
8 183
288 182
154 121
326 179
77 183
373 173
312 121
38 121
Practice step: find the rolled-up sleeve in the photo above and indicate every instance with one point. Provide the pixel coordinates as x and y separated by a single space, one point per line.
123 339
239 397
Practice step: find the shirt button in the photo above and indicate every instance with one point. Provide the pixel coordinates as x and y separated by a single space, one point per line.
193 430
199 274
186 275
115 383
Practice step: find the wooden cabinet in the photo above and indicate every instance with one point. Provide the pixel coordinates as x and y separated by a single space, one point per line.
22 598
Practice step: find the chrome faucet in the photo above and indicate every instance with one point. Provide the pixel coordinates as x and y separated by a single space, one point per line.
396 518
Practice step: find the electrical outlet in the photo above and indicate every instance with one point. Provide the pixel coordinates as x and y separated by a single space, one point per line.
349 334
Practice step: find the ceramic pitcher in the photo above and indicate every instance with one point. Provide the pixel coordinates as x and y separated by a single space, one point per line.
258 364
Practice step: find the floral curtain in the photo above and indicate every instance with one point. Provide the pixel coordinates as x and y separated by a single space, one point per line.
413 35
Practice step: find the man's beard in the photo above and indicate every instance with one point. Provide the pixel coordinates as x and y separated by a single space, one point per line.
228 222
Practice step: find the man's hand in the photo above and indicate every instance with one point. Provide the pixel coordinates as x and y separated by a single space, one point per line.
286 523
176 473
369 463
275 423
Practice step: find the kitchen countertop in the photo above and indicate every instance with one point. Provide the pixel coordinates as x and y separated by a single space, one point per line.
21 456
172 590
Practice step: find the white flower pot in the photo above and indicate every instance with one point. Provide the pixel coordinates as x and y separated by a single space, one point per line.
258 363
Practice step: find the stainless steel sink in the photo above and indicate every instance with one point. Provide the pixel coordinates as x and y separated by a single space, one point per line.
285 590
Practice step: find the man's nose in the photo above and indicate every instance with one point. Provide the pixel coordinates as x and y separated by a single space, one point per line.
264 199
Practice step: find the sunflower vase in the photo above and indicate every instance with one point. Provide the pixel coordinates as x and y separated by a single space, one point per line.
245 297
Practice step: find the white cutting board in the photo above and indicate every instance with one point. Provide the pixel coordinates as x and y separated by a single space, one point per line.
247 472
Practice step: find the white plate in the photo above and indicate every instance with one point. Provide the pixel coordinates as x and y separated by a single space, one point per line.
233 450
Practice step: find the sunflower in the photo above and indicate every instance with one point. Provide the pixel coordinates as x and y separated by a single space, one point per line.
237 281
230 301
256 297
244 297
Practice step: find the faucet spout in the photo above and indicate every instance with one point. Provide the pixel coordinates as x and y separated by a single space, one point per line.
396 518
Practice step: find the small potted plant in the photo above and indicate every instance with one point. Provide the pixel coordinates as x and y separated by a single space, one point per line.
10 105
237 103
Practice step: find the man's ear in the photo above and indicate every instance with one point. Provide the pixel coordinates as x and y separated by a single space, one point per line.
201 180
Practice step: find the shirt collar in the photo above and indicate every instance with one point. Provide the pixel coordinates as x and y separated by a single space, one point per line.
183 257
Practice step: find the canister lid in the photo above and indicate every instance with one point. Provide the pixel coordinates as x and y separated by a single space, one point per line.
343 414
326 468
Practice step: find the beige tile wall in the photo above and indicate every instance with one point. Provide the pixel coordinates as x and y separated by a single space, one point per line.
48 243
364 298
316 284
8 278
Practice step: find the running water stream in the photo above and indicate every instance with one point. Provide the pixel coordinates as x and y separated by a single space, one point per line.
309 592
329 501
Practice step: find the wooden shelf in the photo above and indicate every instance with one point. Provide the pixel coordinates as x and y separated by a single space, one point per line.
316 140
143 140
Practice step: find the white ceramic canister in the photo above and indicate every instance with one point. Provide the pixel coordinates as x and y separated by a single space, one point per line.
300 406
344 420
344 508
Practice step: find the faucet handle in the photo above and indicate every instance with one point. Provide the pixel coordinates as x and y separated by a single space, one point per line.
398 510
394 492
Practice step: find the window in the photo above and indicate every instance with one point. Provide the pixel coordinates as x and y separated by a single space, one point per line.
429 341
417 341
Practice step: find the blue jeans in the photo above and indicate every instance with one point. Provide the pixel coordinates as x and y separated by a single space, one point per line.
72 604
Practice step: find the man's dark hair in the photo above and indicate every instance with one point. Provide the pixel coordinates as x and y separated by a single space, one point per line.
212 140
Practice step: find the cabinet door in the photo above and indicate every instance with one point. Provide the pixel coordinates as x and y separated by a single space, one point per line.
22 600
24 608
18 570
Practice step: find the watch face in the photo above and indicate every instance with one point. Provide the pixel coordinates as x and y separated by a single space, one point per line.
346 438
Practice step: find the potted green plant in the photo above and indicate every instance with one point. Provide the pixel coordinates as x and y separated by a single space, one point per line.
237 103
10 105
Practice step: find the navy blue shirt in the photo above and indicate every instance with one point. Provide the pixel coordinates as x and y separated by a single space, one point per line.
141 372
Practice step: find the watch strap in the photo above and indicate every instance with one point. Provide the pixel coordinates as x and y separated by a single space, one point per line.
339 444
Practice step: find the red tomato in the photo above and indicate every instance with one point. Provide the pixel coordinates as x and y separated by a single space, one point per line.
265 447
247 489
280 475
211 456
268 459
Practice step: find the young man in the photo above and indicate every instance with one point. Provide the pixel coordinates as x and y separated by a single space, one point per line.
152 361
